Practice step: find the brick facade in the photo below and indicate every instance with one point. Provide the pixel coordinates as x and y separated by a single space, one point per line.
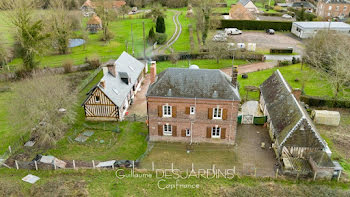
333 9
200 124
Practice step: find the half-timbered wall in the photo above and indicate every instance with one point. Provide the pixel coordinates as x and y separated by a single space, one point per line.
100 106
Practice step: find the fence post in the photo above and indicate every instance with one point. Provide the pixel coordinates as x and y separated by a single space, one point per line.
255 172
339 176
152 165
36 165
113 166
54 165
16 164
73 164
276 173
315 175
10 149
192 167
213 168
93 164
172 167
234 170
134 117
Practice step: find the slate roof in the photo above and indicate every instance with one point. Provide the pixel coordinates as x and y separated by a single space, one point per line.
305 4
116 89
336 1
193 83
244 2
284 110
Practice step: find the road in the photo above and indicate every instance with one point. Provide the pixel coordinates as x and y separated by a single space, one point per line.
282 57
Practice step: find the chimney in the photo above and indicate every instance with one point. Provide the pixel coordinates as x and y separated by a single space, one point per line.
297 93
153 71
103 84
111 69
234 75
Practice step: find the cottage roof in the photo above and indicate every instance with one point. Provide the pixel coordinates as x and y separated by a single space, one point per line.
322 25
285 112
239 12
244 2
115 88
94 20
194 83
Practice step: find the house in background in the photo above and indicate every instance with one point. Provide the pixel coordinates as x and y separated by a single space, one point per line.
309 29
249 5
239 12
329 9
88 8
110 98
295 139
192 105
309 7
94 24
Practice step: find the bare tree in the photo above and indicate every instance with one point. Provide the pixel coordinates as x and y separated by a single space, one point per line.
29 32
218 50
36 108
328 52
106 12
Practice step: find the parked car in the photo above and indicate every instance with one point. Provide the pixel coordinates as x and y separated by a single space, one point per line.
286 16
219 38
270 31
232 31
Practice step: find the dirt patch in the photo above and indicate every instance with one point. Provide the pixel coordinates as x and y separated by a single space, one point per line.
60 188
9 189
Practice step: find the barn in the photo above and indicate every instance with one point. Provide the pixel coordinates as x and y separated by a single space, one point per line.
110 98
295 139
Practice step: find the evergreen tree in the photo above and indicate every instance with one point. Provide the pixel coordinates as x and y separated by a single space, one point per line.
151 36
160 25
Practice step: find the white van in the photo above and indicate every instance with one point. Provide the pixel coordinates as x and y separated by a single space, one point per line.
232 31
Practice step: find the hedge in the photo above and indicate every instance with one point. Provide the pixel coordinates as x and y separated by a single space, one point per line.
288 50
326 102
257 25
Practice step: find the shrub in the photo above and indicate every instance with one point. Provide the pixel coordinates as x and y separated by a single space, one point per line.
108 36
295 60
151 36
94 61
161 38
68 66
284 63
160 25
257 25
318 101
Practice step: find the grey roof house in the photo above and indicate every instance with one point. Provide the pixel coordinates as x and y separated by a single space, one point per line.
292 132
111 97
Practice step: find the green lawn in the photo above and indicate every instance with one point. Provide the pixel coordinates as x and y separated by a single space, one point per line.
315 86
205 64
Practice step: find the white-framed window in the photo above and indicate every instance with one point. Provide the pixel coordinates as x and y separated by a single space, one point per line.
217 113
216 132
97 99
167 129
337 8
192 110
167 110
188 132
330 7
329 14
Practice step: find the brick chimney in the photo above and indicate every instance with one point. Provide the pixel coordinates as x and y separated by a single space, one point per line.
297 93
111 69
103 84
153 71
234 75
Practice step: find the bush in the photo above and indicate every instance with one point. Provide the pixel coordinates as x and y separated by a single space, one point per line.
295 60
160 25
151 36
94 61
161 38
75 21
284 63
327 102
288 50
257 25
68 66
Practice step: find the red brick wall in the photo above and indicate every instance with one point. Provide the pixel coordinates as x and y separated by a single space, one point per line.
323 12
200 120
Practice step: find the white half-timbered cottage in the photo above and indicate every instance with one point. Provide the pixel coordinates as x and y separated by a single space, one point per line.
111 97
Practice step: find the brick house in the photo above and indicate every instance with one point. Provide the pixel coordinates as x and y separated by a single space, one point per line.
192 105
333 9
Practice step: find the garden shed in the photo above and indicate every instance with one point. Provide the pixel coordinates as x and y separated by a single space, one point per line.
326 117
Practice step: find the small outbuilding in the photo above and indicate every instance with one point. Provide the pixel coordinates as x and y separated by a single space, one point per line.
309 29
94 24
326 117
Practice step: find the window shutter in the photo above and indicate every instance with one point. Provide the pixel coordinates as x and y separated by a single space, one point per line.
224 114
173 112
160 111
160 130
210 113
174 131
208 132
183 133
223 133
187 111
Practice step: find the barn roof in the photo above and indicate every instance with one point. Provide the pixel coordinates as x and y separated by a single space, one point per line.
194 83
94 20
285 112
115 88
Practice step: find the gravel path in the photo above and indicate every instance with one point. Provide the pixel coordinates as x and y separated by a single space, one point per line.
251 67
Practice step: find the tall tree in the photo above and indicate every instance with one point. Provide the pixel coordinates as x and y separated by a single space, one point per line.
160 25
328 52
29 31
106 12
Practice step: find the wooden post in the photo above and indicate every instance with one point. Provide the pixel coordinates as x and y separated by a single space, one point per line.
10 149
54 165
113 166
192 167
93 164
315 174
234 170
36 165
276 173
213 168
152 165
339 175
73 164
172 167
16 164
255 172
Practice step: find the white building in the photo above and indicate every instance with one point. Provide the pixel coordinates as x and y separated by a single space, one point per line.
309 29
